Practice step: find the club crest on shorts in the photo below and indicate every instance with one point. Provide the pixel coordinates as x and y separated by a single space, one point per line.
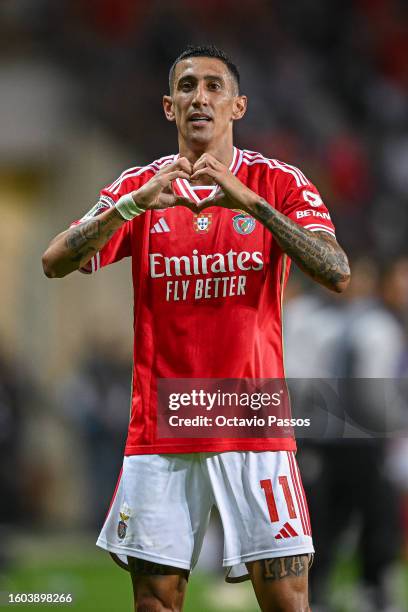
202 222
243 224
122 526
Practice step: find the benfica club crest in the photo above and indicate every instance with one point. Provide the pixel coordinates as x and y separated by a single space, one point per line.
122 526
243 223
202 222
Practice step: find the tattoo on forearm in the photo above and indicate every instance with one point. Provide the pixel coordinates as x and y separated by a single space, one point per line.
86 250
79 239
284 567
81 234
317 255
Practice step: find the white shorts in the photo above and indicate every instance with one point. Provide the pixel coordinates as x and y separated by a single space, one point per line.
162 503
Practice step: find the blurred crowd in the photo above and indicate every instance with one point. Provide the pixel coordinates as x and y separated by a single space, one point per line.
327 85
328 91
356 480
355 476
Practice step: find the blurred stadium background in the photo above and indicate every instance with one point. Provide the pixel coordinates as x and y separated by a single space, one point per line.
81 87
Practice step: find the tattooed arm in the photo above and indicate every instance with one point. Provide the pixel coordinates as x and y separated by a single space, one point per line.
73 248
317 253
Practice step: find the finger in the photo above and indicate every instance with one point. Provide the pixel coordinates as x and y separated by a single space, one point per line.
218 200
180 164
206 160
200 163
166 179
213 161
169 199
184 164
166 200
168 188
206 170
220 196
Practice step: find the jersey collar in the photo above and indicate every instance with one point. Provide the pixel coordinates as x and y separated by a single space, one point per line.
183 188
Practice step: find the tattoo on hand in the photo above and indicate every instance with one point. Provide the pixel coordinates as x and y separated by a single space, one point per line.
317 254
284 567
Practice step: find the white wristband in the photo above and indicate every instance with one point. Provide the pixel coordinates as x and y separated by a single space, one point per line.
127 208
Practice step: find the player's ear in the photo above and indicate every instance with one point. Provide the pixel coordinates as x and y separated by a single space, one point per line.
239 107
168 108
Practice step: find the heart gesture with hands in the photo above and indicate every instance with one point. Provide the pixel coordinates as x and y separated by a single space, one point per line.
234 194
157 193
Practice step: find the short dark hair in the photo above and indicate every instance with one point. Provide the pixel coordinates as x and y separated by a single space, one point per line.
205 51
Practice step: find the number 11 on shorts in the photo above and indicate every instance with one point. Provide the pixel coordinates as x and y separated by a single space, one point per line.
266 485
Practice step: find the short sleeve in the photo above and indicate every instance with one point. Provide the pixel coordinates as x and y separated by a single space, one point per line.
117 247
302 203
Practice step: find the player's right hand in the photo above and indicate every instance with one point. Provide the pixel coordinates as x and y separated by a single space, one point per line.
157 194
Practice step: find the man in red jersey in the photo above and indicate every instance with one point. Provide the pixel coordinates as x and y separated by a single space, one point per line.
211 232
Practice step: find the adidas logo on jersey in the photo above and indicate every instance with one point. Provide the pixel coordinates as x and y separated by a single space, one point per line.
287 531
160 227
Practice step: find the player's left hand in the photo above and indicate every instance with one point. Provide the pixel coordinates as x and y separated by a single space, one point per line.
234 194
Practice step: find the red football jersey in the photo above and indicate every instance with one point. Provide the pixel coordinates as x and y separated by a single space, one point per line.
207 290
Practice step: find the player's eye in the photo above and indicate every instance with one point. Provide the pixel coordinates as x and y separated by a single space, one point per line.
186 86
214 85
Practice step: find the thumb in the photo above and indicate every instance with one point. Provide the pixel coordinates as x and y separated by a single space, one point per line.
180 201
219 199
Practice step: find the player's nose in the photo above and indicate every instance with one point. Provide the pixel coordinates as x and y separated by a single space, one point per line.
200 95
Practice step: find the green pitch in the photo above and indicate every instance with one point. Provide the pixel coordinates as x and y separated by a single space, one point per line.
96 583
102 586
